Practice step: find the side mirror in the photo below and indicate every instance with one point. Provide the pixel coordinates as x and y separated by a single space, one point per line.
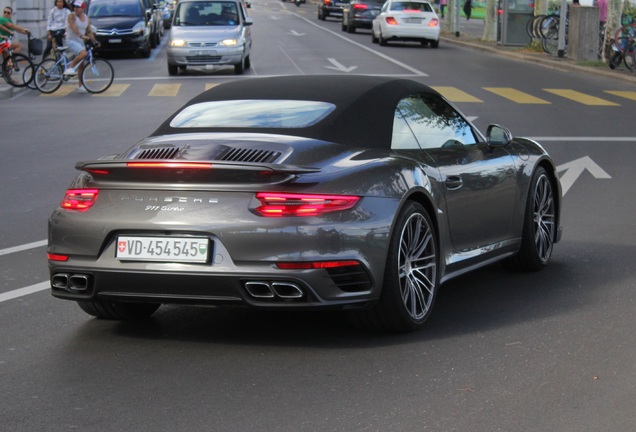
248 21
498 135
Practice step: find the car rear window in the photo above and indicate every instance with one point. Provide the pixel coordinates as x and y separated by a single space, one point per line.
264 113
114 8
411 6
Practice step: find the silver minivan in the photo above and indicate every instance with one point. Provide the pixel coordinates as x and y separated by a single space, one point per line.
210 33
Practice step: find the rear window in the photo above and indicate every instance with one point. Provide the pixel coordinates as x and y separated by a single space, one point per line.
252 114
411 6
114 8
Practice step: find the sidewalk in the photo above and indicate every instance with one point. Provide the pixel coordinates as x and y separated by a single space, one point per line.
471 31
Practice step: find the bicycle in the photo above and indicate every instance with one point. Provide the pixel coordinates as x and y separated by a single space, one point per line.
624 47
17 69
96 77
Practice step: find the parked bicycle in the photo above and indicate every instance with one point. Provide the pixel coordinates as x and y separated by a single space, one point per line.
624 47
17 69
96 76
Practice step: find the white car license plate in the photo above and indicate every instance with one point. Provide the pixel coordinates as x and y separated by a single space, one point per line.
413 20
163 249
114 40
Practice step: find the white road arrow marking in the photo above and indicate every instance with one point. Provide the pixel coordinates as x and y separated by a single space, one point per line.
295 33
337 66
575 168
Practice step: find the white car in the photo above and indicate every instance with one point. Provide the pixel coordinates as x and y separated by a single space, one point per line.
406 20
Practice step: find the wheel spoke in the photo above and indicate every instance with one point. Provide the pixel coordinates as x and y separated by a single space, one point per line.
417 268
544 220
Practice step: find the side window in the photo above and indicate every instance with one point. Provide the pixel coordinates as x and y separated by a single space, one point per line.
402 137
435 123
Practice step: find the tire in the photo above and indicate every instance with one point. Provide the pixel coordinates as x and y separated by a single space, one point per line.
539 225
17 70
628 56
321 15
381 39
248 62
435 44
239 68
98 76
550 46
118 310
173 70
351 28
373 38
48 76
411 279
153 41
616 60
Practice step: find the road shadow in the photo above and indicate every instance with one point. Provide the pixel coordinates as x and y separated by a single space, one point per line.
488 299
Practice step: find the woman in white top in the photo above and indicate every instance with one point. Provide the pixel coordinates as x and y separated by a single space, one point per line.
55 25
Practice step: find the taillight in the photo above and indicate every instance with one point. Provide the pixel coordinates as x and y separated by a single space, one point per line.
360 6
391 21
173 165
315 265
56 257
79 199
274 204
433 22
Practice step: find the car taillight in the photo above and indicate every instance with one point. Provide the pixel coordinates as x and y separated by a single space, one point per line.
433 22
315 265
360 6
391 21
326 2
173 165
79 199
274 204
56 257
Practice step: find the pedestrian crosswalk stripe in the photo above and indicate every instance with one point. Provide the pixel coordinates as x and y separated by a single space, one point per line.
625 94
516 95
115 90
455 95
583 98
208 86
164 90
64 90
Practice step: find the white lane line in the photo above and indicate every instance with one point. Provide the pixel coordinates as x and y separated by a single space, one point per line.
24 291
23 247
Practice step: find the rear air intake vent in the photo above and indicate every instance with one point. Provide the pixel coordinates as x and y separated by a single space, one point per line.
249 155
159 153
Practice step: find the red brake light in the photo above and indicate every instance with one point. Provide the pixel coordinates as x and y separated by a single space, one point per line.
79 199
274 204
391 21
186 165
433 22
315 265
56 257
360 6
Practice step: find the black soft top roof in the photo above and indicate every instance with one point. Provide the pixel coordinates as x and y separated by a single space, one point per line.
363 117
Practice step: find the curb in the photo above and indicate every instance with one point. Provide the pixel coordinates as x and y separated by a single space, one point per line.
6 92
563 64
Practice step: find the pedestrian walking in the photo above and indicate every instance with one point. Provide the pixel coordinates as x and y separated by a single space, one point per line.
442 6
468 8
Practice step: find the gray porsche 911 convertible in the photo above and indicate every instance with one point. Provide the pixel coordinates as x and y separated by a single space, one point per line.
358 193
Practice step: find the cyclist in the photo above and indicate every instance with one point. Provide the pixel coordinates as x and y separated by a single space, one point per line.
78 31
8 28
55 25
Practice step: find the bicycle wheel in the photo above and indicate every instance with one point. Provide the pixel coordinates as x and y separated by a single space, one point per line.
48 76
98 76
17 70
628 56
628 30
550 46
549 27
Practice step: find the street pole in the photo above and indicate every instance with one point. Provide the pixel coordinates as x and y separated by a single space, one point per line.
563 16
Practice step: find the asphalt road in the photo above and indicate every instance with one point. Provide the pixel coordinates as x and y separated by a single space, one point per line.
545 351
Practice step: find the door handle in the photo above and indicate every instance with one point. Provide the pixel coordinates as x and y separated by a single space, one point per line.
454 182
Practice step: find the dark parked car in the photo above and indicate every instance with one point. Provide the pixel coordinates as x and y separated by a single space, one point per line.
358 193
155 11
331 8
360 14
123 26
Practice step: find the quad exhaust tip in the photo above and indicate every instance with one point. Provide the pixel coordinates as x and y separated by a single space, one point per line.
70 282
272 290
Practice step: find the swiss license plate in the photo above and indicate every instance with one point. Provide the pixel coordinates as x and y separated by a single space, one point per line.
205 53
414 20
114 40
163 249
